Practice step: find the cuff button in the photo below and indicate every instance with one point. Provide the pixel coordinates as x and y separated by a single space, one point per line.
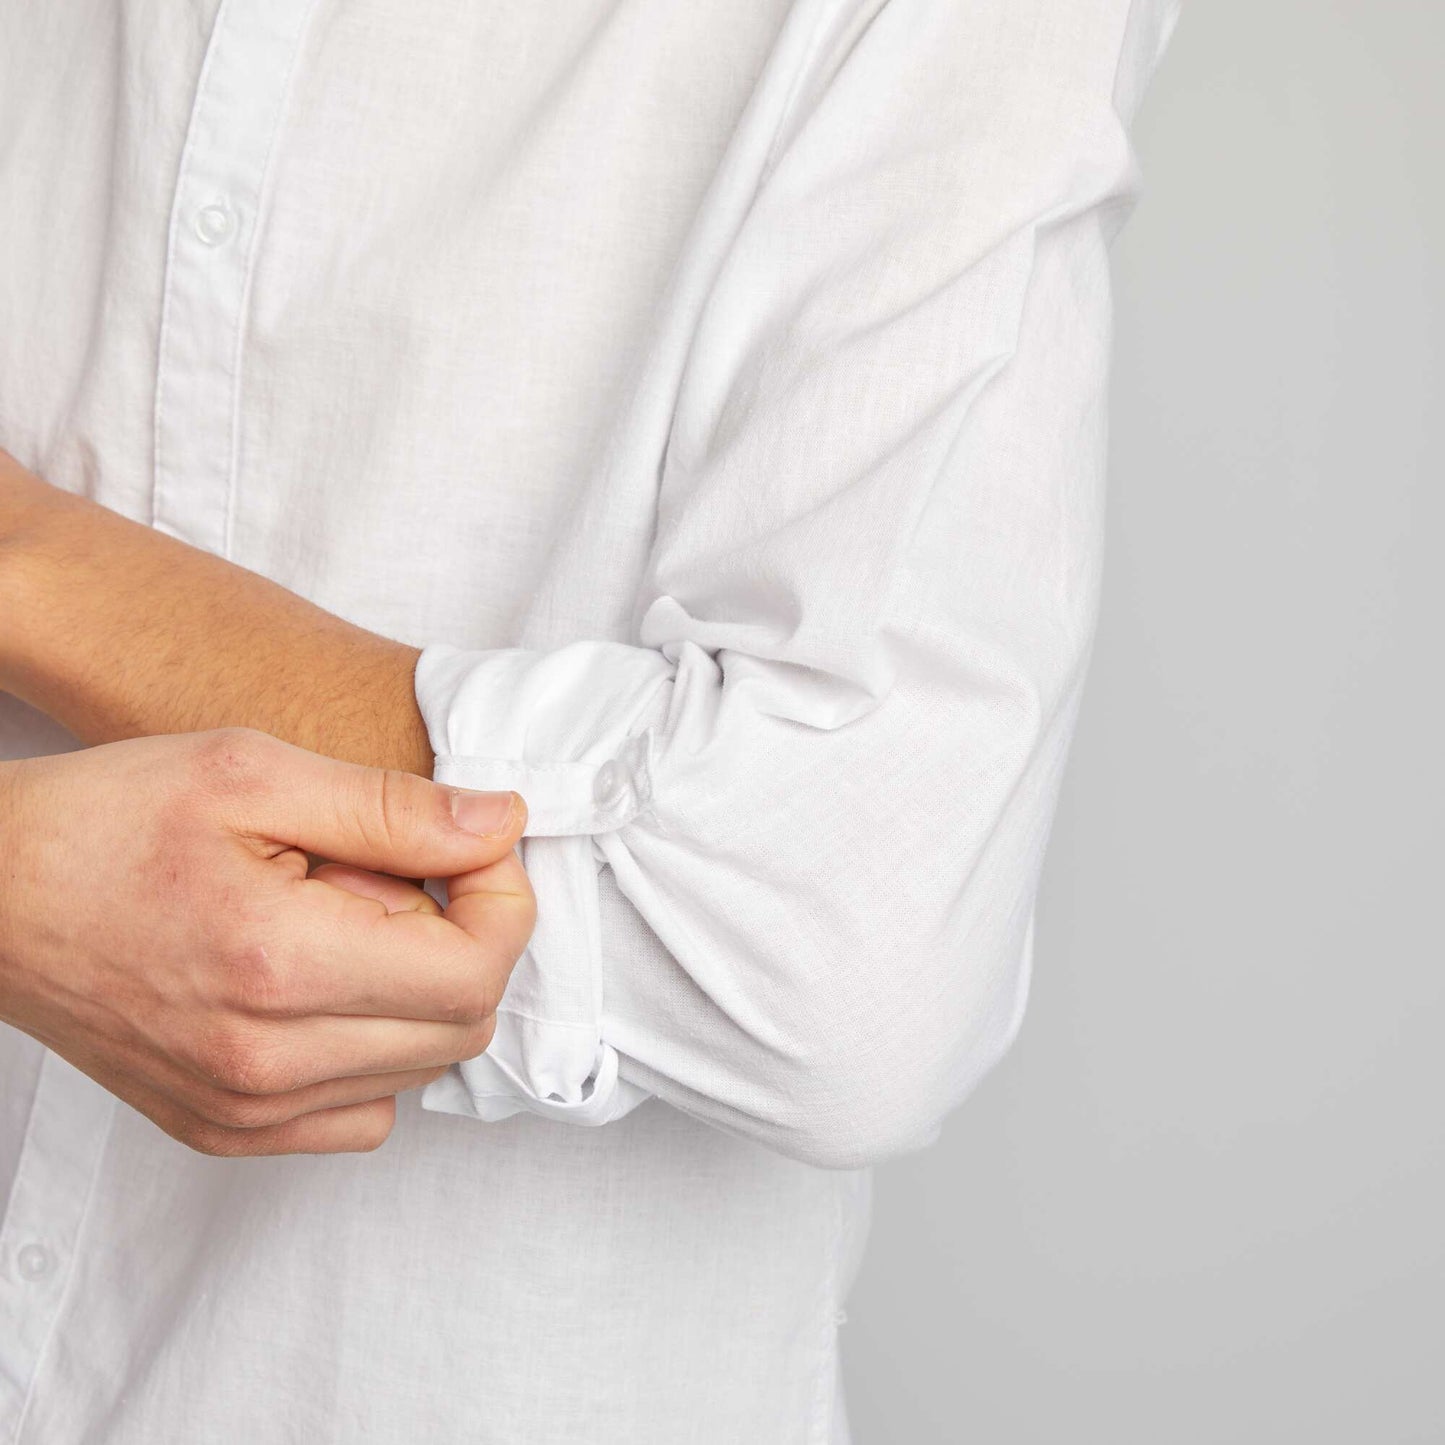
609 787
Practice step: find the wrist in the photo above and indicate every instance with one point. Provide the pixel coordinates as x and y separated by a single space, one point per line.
9 785
121 631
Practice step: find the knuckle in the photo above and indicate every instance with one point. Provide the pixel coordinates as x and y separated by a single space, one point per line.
476 995
252 975
237 1060
397 811
515 915
468 1007
232 762
213 1139
486 994
524 911
493 985
477 1001
478 1037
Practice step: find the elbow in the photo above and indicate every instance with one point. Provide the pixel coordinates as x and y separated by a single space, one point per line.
864 1096
856 1133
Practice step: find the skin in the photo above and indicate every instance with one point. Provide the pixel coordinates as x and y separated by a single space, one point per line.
161 924
128 632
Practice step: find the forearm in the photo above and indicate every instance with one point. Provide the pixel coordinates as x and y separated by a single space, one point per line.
119 631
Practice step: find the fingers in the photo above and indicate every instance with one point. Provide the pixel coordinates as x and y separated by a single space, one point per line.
359 1118
234 1110
213 1103
495 902
395 894
350 1129
374 818
343 953
284 1055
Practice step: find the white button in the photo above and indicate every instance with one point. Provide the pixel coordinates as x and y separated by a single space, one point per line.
609 787
214 223
35 1260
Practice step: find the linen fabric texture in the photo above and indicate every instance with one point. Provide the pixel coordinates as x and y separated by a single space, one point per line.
717 395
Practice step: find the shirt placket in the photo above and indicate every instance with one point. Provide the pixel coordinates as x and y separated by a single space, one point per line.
218 200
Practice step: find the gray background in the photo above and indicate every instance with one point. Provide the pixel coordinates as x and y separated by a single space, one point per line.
1203 1198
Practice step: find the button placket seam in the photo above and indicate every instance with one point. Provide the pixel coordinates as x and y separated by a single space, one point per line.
163 332
214 377
262 200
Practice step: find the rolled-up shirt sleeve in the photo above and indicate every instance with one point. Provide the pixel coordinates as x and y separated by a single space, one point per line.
786 838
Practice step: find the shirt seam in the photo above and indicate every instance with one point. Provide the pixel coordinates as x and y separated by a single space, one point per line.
263 197
477 760
163 331
531 1018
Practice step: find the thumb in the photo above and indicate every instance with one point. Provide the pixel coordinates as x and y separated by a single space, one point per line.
377 818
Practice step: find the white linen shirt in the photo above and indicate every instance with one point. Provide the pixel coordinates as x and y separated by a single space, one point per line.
717 394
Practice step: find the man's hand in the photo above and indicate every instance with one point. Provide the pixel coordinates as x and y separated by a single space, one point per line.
158 929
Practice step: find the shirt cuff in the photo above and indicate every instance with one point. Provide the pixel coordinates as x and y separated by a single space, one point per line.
573 730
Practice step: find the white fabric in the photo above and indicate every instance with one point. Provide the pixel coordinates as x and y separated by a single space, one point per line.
717 393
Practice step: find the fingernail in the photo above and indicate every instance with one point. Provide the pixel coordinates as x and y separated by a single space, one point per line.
487 814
